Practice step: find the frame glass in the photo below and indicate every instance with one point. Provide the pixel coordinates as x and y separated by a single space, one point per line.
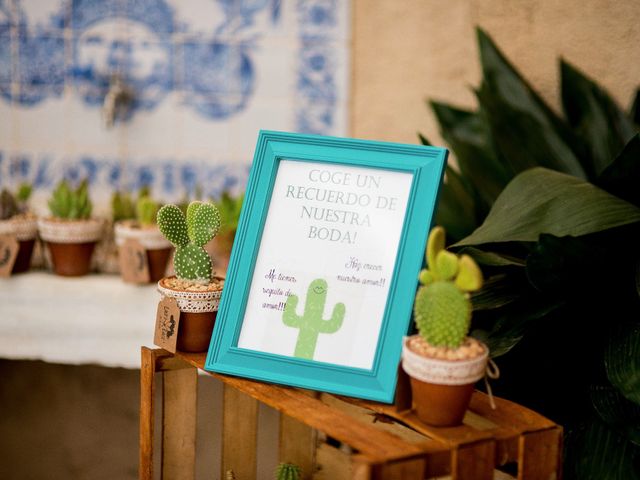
325 263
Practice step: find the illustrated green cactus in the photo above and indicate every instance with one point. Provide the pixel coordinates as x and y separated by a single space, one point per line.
310 322
189 234
288 471
69 203
442 307
146 210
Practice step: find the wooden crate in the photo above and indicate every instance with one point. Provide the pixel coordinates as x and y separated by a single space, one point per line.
333 437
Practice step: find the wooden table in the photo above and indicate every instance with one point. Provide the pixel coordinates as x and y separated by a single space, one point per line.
334 437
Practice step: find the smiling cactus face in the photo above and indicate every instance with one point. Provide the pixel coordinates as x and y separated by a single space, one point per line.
189 235
310 323
442 308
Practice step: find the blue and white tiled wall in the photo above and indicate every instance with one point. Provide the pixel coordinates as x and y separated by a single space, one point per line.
205 76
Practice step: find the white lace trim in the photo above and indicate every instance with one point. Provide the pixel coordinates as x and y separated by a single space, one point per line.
149 238
70 231
443 372
23 228
193 302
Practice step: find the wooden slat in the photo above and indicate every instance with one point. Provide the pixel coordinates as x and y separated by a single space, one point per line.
147 389
313 412
473 462
540 454
239 434
401 470
179 424
297 444
332 464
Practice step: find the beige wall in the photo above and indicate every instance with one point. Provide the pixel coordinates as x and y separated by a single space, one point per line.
407 51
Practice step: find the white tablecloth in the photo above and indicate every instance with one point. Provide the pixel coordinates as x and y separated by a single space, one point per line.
96 319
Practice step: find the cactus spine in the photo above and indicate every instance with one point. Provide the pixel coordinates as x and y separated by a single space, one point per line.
442 308
288 471
189 235
71 204
310 322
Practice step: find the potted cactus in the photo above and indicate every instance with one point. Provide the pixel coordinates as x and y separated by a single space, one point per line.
70 233
195 288
288 471
142 229
442 361
16 221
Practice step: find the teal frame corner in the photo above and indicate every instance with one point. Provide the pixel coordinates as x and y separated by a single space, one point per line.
426 164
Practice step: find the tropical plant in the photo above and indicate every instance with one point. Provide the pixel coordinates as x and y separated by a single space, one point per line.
189 234
550 207
69 203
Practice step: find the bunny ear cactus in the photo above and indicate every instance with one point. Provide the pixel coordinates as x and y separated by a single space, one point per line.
288 471
189 235
442 308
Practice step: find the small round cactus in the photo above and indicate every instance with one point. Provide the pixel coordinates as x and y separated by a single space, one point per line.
189 235
288 471
442 308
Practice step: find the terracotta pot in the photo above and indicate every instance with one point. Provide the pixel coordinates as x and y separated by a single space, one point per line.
442 389
71 243
157 246
25 230
198 311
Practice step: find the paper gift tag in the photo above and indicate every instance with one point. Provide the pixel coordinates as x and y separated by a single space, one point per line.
8 253
167 321
134 265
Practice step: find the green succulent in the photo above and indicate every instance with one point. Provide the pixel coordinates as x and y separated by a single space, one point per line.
442 308
11 204
122 207
288 471
8 205
146 210
69 203
230 208
189 234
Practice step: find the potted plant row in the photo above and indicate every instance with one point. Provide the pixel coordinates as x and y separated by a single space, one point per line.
70 232
17 222
140 226
442 361
195 288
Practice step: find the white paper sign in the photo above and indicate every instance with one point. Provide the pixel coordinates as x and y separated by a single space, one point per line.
330 239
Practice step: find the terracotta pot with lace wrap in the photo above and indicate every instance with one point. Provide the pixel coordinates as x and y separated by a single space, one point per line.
442 361
70 233
24 228
195 288
71 243
198 310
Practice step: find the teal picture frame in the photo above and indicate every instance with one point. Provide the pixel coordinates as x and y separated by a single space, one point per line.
425 165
